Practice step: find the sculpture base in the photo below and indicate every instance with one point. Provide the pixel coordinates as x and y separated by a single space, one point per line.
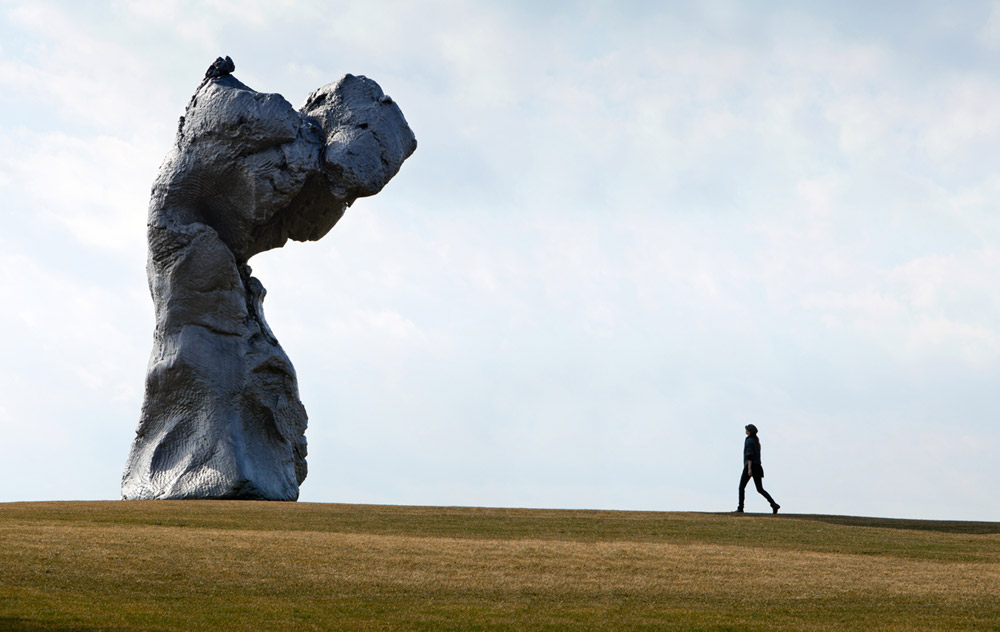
222 416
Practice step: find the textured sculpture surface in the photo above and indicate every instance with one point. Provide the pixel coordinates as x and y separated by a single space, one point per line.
221 417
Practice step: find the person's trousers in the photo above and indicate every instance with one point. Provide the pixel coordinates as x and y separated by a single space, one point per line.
745 478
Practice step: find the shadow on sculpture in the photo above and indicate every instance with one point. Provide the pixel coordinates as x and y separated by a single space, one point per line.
221 417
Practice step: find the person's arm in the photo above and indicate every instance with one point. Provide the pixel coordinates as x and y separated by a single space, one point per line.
749 467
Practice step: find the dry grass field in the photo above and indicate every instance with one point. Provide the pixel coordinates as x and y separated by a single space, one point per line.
214 565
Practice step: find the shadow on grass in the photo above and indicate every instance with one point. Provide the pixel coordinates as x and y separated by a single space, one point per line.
17 624
940 526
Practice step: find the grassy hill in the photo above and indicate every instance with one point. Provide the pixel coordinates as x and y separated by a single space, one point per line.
216 565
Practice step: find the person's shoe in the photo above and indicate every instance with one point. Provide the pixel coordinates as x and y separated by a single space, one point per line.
775 507
739 510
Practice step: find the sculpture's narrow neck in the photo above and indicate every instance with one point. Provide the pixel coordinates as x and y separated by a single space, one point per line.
254 294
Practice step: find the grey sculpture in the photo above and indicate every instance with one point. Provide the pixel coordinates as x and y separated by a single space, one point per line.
221 416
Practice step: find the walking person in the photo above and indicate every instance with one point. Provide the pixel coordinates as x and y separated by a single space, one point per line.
753 469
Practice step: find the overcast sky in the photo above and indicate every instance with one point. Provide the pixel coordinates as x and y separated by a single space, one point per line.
629 229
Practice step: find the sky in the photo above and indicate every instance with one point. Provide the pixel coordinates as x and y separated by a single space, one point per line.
628 230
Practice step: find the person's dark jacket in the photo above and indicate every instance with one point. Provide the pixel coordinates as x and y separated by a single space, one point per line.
751 452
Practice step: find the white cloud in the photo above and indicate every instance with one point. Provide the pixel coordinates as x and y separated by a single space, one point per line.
989 36
96 188
975 345
867 308
374 327
934 309
76 344
85 78
945 282
960 121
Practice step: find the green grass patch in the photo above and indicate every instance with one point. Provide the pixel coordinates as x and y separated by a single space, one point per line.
211 565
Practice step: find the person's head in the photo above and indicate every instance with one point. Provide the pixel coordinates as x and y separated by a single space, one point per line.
751 430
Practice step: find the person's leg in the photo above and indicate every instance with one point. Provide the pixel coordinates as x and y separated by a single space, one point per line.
744 479
760 490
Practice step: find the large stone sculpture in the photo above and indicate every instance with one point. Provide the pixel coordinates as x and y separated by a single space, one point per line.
221 416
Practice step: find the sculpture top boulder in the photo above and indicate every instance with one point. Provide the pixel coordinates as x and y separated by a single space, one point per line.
259 172
221 416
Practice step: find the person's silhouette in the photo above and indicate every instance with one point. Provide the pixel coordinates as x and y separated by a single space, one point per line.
753 469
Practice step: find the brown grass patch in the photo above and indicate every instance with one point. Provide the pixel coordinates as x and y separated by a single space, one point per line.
97 566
